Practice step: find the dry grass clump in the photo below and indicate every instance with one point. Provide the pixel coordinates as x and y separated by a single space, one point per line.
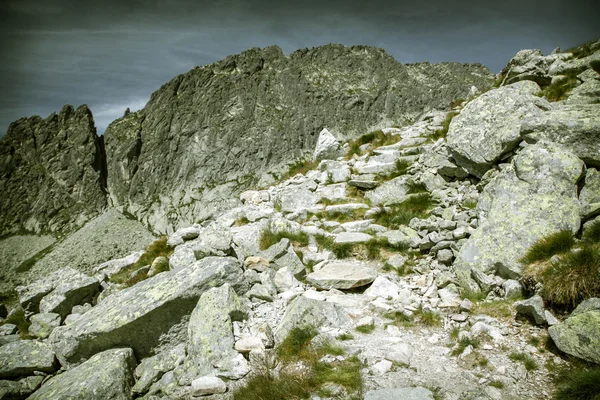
376 139
157 248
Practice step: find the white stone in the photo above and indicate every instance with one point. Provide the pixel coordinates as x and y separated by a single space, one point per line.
207 385
382 287
248 344
382 367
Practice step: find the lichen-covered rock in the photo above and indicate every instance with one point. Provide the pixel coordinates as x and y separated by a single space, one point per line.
579 335
341 275
24 357
113 267
16 390
490 125
532 308
391 192
210 332
304 312
138 316
151 369
328 147
43 324
107 375
533 197
52 172
217 130
576 127
589 197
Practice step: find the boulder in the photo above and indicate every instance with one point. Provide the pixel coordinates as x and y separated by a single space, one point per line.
341 275
328 147
589 197
296 197
337 171
139 315
490 125
575 127
532 308
21 389
382 287
208 385
578 335
533 197
528 65
394 191
25 357
400 237
43 324
113 267
334 192
305 312
413 393
107 375
210 331
74 289
151 369
352 238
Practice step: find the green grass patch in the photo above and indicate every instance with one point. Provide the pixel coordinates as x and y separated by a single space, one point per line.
580 385
341 216
241 221
376 139
473 295
545 248
415 206
443 131
501 309
18 318
463 343
156 249
497 384
415 187
401 168
365 328
371 250
400 319
559 90
428 317
592 233
582 50
345 337
268 238
296 342
528 362
300 167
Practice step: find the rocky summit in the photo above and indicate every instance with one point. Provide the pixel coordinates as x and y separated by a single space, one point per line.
338 226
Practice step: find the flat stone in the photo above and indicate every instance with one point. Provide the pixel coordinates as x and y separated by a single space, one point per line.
24 357
208 385
352 237
341 275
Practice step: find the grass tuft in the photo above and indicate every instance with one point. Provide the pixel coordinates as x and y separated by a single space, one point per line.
365 328
300 167
376 139
497 384
545 248
579 384
345 337
443 131
464 343
296 342
241 221
528 362
415 206
268 238
18 318
592 233
157 248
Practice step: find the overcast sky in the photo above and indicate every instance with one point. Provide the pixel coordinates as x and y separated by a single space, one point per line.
112 54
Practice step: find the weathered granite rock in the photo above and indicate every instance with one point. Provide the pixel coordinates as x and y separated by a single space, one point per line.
112 267
352 238
490 125
589 197
5 339
328 147
303 312
74 289
384 288
208 385
138 316
413 393
578 335
216 130
532 198
532 308
591 304
160 264
294 197
391 192
52 172
107 375
210 332
576 127
43 324
151 369
21 389
24 357
341 275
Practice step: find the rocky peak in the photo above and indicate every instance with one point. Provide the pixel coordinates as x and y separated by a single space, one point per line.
52 172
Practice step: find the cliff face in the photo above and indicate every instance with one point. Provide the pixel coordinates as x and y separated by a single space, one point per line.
52 172
210 133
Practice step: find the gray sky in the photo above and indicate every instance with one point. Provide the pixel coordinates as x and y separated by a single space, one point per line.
112 54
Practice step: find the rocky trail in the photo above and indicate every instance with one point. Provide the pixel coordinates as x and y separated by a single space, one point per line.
398 255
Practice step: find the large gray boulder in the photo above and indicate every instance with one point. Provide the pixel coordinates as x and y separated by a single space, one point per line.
576 127
16 390
107 375
391 192
213 132
210 331
43 324
490 125
305 312
328 147
136 317
579 335
341 275
533 197
24 357
528 65
151 369
51 172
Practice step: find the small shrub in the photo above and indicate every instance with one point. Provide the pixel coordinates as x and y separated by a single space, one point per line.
241 221
592 233
578 384
497 384
365 328
268 238
545 248
528 362
18 318
464 343
345 337
443 131
296 342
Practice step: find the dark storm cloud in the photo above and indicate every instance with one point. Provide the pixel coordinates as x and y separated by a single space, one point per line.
113 54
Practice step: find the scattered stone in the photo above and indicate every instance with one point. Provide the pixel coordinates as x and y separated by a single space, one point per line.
382 287
25 357
578 335
512 289
382 367
256 263
248 344
151 369
8 329
20 389
416 393
208 385
352 238
328 147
